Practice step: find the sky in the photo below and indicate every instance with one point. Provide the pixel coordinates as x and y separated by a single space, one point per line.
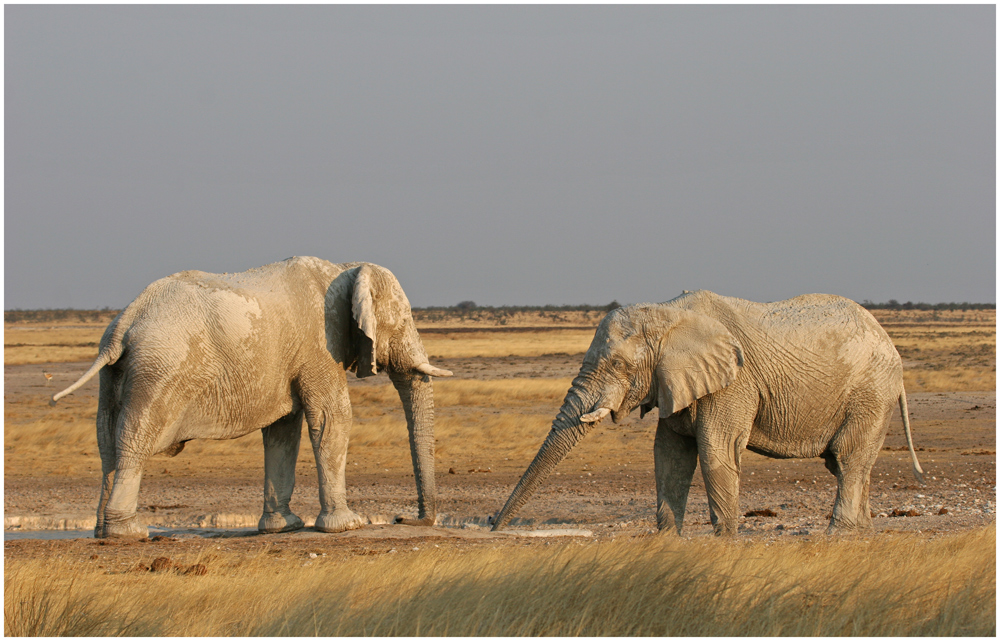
507 155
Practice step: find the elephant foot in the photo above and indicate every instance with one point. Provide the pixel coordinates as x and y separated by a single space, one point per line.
725 531
667 523
274 522
668 530
845 527
129 528
340 521
427 521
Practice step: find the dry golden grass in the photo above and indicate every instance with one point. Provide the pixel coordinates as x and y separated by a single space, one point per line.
952 316
507 417
951 379
491 318
472 393
36 426
29 344
952 358
885 585
470 433
491 344
942 352
969 341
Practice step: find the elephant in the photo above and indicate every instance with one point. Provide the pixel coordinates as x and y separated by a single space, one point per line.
217 356
812 376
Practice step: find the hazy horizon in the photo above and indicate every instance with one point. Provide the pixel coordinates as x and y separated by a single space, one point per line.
593 307
507 155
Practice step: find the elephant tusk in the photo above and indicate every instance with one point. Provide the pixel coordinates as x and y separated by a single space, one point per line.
430 370
595 416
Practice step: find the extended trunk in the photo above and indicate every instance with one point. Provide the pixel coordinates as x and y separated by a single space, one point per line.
417 396
567 430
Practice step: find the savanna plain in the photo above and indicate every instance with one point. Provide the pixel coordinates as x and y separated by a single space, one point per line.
926 568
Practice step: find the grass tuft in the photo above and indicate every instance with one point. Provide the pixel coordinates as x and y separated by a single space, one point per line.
884 585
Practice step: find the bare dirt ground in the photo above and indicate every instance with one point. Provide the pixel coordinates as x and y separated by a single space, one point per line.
955 433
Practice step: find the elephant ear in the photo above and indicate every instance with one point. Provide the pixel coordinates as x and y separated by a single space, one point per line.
698 357
363 310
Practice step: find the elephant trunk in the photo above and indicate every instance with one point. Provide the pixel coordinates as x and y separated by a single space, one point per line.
567 430
416 393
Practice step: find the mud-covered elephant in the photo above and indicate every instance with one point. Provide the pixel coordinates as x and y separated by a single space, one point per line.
812 376
217 356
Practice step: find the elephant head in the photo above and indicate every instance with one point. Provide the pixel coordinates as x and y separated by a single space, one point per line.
642 356
382 335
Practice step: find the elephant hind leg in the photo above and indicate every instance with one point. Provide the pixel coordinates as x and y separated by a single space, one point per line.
281 449
120 518
135 436
123 454
851 457
851 509
106 419
675 457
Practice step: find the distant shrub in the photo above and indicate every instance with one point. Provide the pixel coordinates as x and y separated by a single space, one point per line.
105 315
895 305
518 309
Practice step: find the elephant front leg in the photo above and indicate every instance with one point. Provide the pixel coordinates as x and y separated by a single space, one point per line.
719 455
281 449
329 432
675 458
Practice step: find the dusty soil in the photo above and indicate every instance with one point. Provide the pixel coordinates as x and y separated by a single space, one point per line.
954 432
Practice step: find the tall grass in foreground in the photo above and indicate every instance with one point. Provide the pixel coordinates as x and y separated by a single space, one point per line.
885 586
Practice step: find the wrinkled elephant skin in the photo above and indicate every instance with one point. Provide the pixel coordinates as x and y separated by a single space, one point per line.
812 376
217 356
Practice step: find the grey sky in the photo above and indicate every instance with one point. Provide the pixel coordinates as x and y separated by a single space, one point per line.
506 155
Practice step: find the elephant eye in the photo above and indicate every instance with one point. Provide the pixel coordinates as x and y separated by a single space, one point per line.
617 363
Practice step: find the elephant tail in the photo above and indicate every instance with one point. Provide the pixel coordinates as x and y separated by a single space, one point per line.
102 359
110 352
904 412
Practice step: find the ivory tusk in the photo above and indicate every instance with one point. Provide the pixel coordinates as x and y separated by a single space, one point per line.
595 416
430 370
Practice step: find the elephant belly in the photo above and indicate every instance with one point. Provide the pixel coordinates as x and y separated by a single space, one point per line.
793 439
784 450
210 421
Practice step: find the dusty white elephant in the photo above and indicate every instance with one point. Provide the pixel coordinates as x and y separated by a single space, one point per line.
217 356
811 376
